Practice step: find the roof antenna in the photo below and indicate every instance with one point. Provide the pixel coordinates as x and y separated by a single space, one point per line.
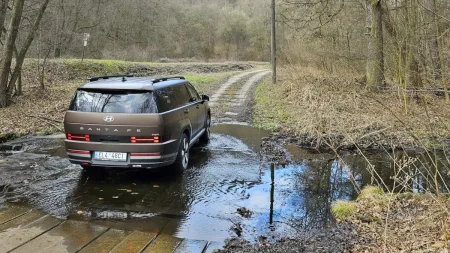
124 79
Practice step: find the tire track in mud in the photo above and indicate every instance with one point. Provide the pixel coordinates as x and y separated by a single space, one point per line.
231 102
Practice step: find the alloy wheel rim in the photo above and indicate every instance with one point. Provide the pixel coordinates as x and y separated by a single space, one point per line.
208 127
185 153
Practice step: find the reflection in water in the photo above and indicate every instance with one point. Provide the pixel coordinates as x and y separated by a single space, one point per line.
201 203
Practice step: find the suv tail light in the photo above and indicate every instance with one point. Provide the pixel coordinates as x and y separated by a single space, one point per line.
79 137
145 139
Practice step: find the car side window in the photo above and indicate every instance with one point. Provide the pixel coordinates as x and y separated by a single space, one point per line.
181 95
172 97
192 92
165 99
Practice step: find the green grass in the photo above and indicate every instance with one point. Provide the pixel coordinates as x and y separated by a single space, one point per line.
343 209
268 112
203 83
370 192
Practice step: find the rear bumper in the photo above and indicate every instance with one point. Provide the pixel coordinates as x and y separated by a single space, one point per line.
149 155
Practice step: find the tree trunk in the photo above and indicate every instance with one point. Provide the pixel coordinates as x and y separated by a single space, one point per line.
26 46
19 85
8 51
18 90
42 78
440 48
3 9
375 59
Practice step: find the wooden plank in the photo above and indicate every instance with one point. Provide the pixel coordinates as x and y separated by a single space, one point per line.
15 237
11 212
22 220
135 242
213 246
163 244
70 236
107 241
191 246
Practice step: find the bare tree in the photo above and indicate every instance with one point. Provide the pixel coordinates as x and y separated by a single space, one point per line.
16 16
375 59
7 82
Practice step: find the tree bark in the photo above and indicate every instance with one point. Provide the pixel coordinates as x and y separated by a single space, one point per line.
375 59
8 51
3 9
26 46
440 48
18 90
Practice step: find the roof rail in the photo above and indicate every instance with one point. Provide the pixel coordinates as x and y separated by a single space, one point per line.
163 79
94 79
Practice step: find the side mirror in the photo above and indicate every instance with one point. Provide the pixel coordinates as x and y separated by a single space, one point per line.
205 98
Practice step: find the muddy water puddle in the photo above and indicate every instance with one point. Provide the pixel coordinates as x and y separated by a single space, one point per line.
202 203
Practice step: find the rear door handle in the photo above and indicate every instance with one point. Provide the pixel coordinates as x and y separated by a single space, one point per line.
198 106
186 111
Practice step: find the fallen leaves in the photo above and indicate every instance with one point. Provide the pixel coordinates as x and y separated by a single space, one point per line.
408 223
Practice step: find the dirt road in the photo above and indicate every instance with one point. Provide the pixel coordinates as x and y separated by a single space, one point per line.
233 101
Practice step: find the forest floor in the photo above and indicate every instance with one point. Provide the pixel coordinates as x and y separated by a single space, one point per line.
314 109
42 111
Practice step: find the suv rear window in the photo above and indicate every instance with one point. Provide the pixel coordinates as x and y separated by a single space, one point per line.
113 101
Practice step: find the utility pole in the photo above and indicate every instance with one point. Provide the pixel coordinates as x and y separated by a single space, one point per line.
274 45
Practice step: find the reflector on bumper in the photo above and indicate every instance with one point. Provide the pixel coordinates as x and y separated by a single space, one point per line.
144 156
79 153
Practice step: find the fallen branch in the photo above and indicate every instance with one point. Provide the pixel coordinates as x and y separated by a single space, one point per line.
42 117
48 121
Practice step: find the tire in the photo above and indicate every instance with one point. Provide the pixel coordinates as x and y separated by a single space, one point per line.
206 136
93 172
182 161
86 167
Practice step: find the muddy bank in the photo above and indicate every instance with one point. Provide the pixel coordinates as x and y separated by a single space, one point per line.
273 144
341 238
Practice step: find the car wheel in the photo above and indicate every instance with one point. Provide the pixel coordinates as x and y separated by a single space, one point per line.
204 139
86 167
182 161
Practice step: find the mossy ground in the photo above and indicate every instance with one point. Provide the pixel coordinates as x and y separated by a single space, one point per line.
342 209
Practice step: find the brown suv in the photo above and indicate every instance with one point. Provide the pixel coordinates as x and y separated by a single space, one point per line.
135 122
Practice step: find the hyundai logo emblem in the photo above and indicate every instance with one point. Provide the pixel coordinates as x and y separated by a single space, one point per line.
108 118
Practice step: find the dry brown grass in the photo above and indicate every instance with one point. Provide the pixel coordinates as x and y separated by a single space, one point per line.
339 108
409 223
37 112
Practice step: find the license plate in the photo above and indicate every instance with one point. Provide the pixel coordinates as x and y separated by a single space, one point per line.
110 156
